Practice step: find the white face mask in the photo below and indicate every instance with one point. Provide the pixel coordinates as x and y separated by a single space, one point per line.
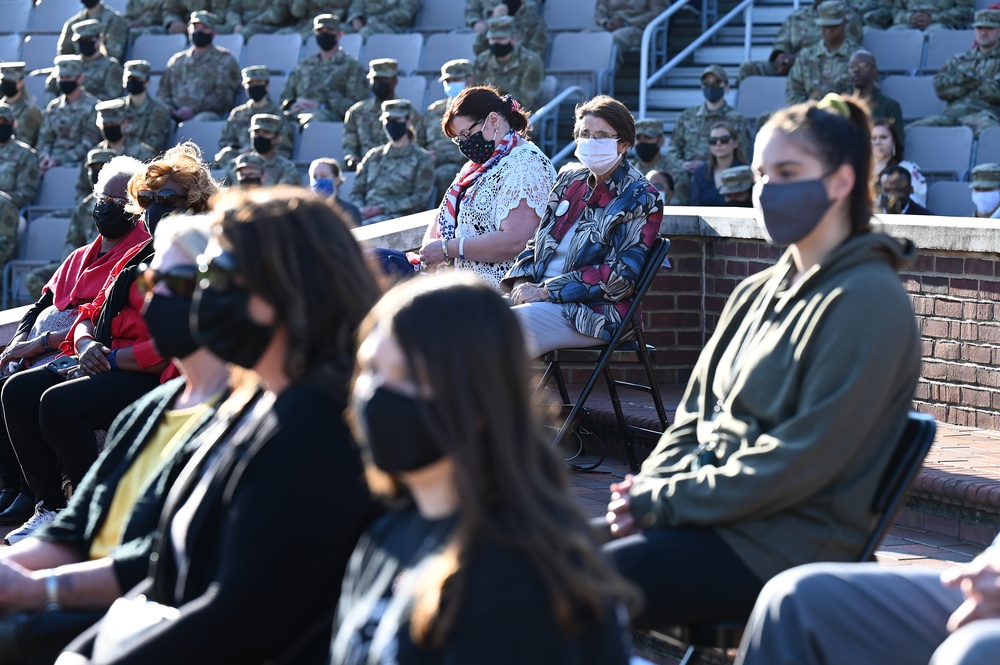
986 202
598 155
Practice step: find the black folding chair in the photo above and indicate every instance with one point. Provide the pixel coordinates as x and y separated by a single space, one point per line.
628 339
893 487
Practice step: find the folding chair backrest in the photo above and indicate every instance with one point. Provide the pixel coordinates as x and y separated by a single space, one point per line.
50 16
412 88
15 15
940 149
39 51
569 14
10 47
232 43
988 149
279 53
761 94
45 238
654 260
896 50
915 95
582 59
943 44
157 49
405 49
204 133
58 187
440 15
906 460
951 199
442 47
321 139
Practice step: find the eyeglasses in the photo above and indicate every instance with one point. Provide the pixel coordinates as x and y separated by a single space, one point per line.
181 280
583 135
465 136
724 140
219 271
119 201
165 197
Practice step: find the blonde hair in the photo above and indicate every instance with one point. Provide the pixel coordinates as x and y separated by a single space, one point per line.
182 164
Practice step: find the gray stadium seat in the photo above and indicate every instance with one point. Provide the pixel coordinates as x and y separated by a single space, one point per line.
942 44
57 188
915 94
406 49
344 191
279 53
896 50
36 88
10 47
988 150
38 51
40 244
321 139
232 43
442 47
586 59
350 43
15 16
51 15
951 199
412 88
569 14
440 15
153 85
761 94
118 5
205 133
943 151
157 49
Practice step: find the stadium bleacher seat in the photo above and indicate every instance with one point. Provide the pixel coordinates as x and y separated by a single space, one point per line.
569 14
10 47
38 51
440 16
50 15
321 139
942 44
157 49
915 95
232 43
40 244
153 84
205 133
406 49
57 188
279 53
15 16
36 88
944 152
586 59
442 47
761 94
952 199
896 50
344 191
988 149
412 88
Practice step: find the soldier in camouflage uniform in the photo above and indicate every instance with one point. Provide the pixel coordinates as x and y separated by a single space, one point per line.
14 94
144 17
373 16
528 23
395 179
456 75
247 170
8 227
649 141
176 13
200 82
113 32
824 67
250 17
102 75
626 19
301 13
799 31
18 162
513 69
115 124
323 86
149 118
362 126
69 127
930 15
235 137
265 137
737 186
970 82
688 148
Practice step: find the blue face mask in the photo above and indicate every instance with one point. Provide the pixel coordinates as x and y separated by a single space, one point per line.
322 186
452 88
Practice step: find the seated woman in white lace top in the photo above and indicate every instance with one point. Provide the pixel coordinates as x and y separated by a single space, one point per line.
496 201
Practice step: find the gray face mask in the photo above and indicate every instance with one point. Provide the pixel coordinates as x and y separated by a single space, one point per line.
791 211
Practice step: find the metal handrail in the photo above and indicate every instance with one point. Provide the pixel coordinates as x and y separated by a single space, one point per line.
540 118
645 80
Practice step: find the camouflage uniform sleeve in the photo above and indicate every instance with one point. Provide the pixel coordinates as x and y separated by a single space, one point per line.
28 126
112 83
531 81
473 12
287 145
783 41
76 234
91 137
162 120
653 8
355 89
229 137
402 14
989 91
224 92
299 8
289 175
677 148
8 229
359 192
419 189
957 17
116 35
601 12
291 85
27 179
83 184
876 13
279 13
352 139
955 80
356 10
174 10
46 137
795 86
65 45
165 91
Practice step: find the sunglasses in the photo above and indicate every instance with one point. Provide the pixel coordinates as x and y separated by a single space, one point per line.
465 136
180 280
119 201
165 197
218 271
724 140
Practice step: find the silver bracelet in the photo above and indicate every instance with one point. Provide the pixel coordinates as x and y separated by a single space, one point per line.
461 248
52 592
444 249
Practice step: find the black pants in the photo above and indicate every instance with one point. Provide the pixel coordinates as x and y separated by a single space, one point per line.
50 419
37 638
687 575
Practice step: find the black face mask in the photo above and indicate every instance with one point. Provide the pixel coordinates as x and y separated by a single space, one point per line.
223 326
512 6
647 152
501 50
67 87
395 129
169 321
379 411
88 47
257 92
6 132
327 41
8 88
135 86
381 89
113 133
248 182
154 213
202 39
262 144
477 148
112 220
90 4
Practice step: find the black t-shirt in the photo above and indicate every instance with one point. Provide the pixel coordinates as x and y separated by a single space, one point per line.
506 616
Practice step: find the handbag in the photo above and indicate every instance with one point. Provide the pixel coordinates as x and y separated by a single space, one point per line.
125 624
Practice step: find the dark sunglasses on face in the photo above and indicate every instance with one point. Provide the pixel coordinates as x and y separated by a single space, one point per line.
218 271
724 140
119 201
180 280
165 197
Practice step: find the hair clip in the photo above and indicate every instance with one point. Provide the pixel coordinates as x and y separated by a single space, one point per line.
514 104
834 103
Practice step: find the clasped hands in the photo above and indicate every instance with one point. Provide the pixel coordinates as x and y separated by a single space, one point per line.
525 292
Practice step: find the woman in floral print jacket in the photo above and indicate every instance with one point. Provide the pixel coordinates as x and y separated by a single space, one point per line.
575 280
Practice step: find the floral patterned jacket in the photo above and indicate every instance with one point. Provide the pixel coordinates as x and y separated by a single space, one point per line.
618 222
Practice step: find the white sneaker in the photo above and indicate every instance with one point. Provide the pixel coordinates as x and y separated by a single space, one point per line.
41 517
